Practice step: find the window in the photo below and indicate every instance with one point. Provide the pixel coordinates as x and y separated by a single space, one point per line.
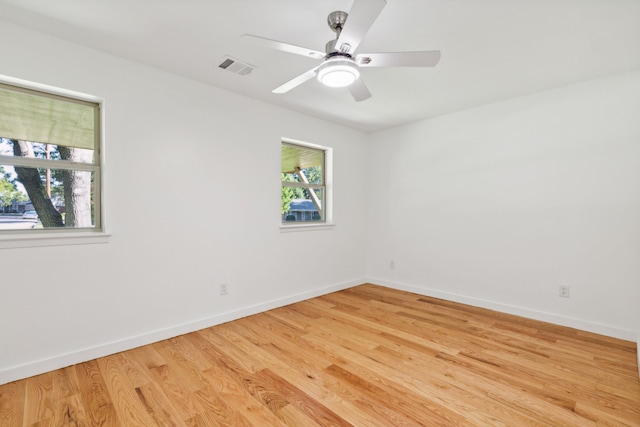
49 162
303 174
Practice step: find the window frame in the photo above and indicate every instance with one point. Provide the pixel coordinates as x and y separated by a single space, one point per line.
63 235
326 187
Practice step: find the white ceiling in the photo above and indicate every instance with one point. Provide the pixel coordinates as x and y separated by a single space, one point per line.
492 50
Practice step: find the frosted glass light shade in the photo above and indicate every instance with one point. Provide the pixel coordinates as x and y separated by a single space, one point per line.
338 72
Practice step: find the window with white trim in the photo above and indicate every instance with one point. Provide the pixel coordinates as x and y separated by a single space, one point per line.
49 162
303 174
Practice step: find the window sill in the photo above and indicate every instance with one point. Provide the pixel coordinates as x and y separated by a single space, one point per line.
306 227
52 239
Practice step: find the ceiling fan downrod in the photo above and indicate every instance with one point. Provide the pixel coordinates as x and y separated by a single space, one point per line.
336 21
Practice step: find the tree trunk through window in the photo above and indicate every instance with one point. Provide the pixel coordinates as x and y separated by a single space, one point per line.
30 179
77 188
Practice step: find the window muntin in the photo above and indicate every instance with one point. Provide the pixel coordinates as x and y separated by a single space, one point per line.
302 172
50 152
49 162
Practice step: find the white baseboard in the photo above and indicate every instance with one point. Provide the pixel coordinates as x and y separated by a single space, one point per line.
82 355
556 319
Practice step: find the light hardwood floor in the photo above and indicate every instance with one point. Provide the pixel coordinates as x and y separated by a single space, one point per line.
366 356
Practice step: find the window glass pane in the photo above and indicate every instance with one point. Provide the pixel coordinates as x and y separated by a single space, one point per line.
311 175
45 198
300 205
12 147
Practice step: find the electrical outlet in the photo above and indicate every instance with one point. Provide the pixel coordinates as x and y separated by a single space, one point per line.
392 265
563 291
224 288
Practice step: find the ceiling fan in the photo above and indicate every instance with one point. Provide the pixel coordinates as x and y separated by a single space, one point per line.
341 65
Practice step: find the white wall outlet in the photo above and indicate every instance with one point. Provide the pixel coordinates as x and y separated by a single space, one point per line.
392 265
563 291
224 288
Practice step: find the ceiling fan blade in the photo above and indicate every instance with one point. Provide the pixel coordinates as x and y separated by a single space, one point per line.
427 58
361 17
282 46
296 81
359 90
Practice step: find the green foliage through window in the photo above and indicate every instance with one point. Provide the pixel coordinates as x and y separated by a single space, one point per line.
303 183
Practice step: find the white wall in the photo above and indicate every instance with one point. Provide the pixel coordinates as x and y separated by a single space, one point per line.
192 200
494 206
499 205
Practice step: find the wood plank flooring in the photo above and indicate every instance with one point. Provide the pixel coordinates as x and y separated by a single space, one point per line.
366 356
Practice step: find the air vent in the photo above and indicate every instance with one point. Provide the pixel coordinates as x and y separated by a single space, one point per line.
235 66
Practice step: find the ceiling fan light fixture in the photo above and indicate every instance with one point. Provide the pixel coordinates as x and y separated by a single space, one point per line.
338 72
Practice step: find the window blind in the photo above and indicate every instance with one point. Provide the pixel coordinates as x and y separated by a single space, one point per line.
45 118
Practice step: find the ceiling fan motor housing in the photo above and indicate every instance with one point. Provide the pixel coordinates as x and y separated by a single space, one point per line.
330 47
336 21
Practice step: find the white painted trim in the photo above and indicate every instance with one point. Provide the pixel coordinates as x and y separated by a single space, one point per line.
82 355
583 325
328 186
306 227
57 237
52 238
26 84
